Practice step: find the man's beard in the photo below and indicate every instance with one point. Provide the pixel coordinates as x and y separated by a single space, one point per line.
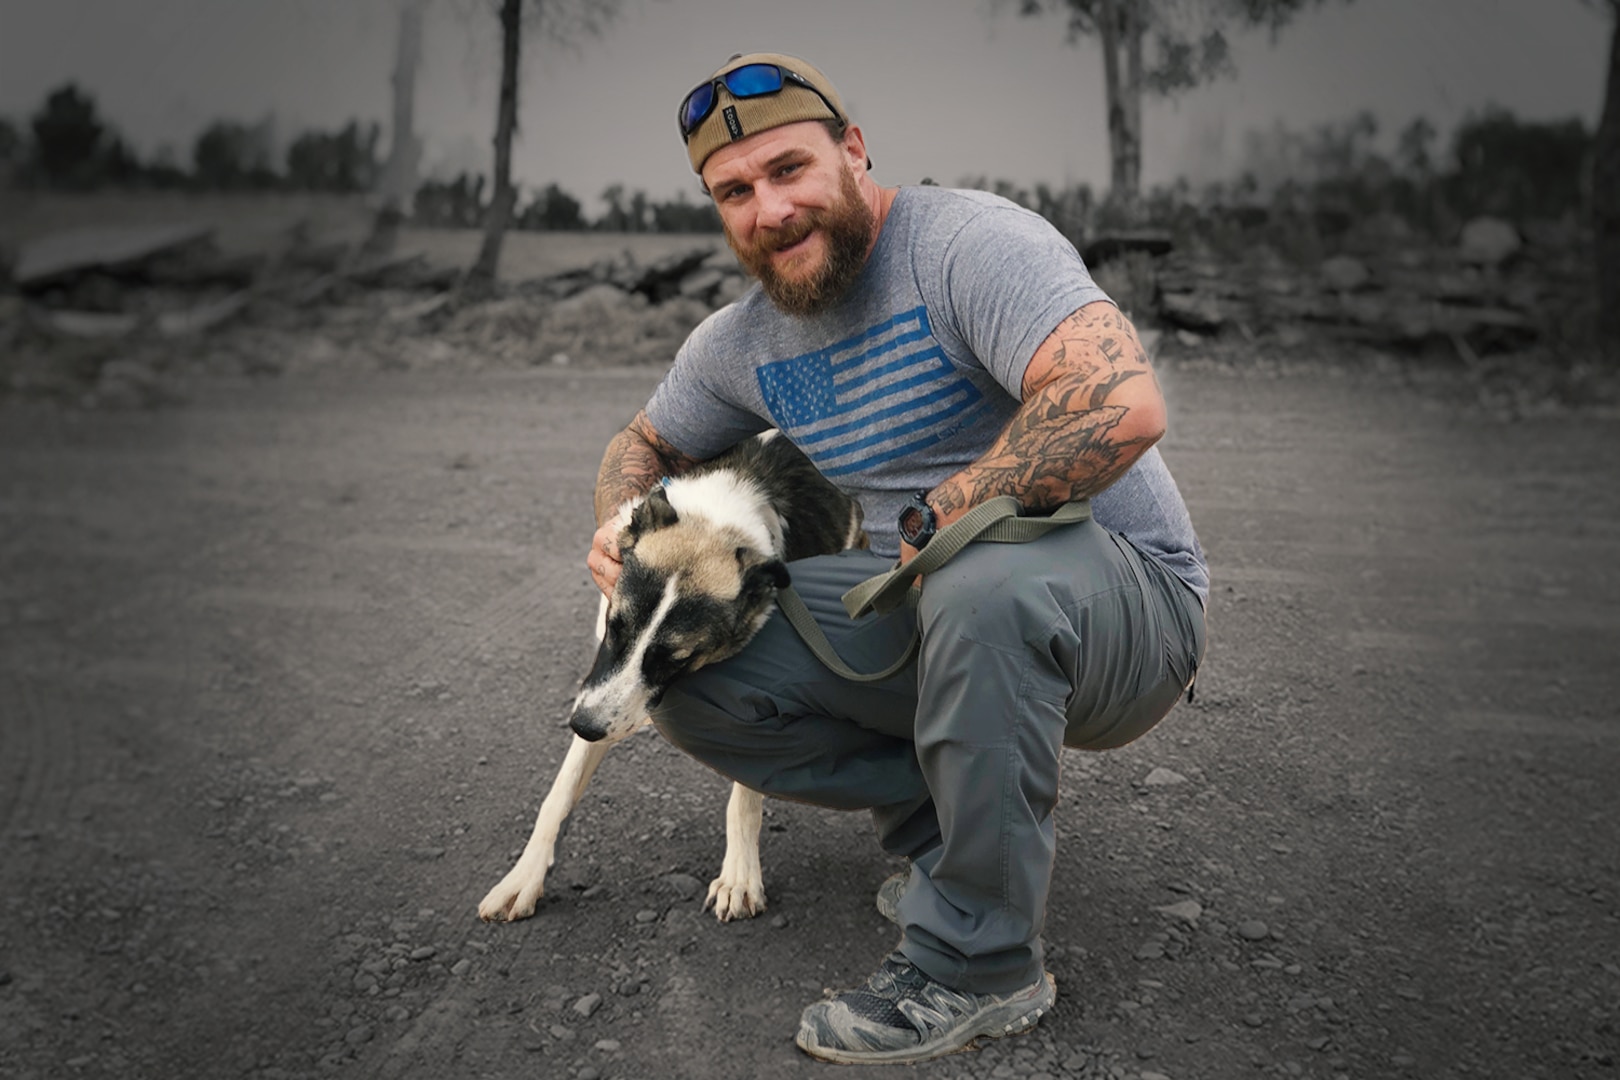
847 226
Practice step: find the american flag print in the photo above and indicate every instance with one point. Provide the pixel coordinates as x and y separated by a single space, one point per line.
882 394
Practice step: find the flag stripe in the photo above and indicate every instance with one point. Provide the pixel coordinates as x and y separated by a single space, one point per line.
870 398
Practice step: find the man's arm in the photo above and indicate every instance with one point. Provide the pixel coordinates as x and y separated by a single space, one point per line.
1091 407
635 459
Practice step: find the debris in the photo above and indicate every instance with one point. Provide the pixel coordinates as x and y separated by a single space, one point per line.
1188 911
1162 777
1489 241
1345 273
419 310
703 284
202 317
1107 246
87 324
1193 311
59 256
603 299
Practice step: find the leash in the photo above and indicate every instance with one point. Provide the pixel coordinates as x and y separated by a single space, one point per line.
995 521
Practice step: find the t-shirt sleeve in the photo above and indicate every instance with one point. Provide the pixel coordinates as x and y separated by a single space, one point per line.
692 407
1008 279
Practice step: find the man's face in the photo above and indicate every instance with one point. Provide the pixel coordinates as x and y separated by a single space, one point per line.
794 213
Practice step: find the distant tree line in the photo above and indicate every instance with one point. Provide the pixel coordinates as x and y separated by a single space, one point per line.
465 203
1326 178
1306 187
67 146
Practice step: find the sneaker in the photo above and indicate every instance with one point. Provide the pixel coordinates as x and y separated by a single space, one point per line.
889 894
901 1015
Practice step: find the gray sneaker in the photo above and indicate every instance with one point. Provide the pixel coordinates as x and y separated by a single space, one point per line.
901 1015
889 894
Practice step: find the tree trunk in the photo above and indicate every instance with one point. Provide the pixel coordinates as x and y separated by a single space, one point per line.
1121 30
1108 28
1606 203
482 274
1133 105
399 174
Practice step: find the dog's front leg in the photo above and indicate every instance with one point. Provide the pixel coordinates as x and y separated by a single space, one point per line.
739 891
516 895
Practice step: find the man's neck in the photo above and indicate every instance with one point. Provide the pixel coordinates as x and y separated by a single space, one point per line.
879 199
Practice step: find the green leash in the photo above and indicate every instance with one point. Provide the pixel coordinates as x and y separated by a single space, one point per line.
995 521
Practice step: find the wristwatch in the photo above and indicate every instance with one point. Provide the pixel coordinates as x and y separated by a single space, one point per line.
917 521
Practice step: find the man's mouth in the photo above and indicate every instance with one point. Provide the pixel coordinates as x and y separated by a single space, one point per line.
794 247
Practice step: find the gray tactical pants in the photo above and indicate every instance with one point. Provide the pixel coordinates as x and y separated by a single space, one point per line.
1075 639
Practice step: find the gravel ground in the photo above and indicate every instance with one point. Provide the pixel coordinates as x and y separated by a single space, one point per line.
283 673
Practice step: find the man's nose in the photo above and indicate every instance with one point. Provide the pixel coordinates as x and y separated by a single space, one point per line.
775 208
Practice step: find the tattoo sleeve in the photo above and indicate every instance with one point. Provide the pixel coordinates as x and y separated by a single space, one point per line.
1092 406
635 459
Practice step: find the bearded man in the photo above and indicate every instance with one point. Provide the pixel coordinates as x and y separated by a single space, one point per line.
928 349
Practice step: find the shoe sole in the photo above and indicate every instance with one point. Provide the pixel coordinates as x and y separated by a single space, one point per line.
957 1039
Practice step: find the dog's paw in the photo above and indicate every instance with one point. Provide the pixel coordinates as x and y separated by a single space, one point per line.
736 897
514 898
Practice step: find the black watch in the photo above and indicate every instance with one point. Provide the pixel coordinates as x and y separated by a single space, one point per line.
917 521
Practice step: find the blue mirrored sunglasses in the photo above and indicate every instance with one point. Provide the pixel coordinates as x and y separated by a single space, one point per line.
748 81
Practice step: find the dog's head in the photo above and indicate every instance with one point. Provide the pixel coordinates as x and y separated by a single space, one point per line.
692 592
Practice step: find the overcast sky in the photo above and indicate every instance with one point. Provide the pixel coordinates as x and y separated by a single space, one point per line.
942 88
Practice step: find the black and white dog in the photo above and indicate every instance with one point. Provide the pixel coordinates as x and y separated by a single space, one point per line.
704 556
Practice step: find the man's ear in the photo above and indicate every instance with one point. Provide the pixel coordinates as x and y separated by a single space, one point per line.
855 147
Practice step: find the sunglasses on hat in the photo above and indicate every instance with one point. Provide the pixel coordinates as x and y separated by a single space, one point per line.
748 81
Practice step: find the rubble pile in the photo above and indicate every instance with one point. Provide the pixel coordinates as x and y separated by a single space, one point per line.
1495 290
120 316
123 316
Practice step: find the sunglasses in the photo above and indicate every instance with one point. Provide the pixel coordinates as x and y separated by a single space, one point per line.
748 81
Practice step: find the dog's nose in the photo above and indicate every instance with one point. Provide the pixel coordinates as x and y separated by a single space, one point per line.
586 727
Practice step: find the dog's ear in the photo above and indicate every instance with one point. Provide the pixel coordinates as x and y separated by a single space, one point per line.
761 574
654 512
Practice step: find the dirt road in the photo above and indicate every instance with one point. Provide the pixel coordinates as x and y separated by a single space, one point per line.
283 673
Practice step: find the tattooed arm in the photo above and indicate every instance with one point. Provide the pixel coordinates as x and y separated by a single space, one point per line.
1092 406
634 461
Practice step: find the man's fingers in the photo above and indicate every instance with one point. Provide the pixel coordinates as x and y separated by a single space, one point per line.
604 568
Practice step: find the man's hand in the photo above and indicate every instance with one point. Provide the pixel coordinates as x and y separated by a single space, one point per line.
634 461
603 561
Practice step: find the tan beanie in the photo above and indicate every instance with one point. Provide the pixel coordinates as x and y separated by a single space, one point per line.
737 118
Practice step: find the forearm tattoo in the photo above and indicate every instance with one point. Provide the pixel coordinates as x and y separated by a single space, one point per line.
1071 438
636 459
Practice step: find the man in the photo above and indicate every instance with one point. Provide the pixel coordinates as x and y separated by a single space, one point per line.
928 349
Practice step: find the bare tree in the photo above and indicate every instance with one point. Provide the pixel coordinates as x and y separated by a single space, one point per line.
405 153
1188 48
1606 199
405 150
564 22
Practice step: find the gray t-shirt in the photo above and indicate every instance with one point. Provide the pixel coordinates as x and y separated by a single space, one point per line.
912 375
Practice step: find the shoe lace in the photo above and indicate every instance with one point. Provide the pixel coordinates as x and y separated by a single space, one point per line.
900 995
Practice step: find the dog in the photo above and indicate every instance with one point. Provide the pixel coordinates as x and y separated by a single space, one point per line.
704 555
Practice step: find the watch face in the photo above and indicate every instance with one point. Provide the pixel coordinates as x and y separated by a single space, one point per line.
917 522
